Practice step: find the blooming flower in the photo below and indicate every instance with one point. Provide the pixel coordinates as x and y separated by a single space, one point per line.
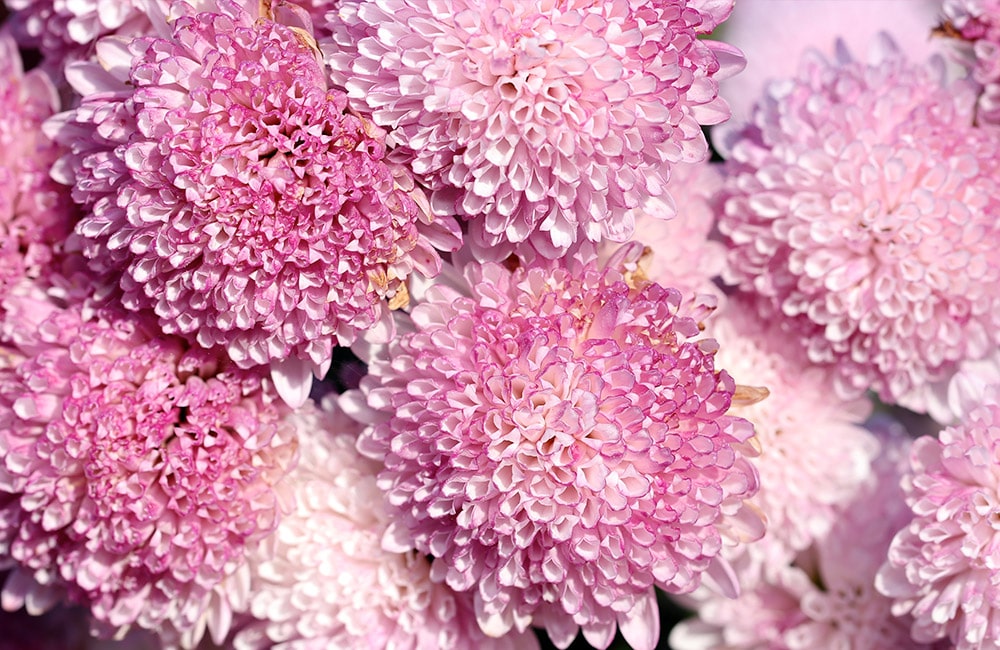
35 211
556 437
815 454
134 471
323 580
235 194
826 597
542 123
975 26
862 209
942 568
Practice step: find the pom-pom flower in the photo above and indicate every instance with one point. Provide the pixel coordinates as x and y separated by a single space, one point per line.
815 454
556 437
863 210
135 472
235 194
323 581
35 211
537 122
944 568
975 26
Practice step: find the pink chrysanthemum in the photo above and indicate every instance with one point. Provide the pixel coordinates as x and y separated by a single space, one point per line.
863 210
975 26
682 253
557 439
944 568
323 581
826 598
135 471
35 211
537 122
815 454
237 196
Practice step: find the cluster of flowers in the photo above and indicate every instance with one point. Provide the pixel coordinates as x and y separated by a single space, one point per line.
429 325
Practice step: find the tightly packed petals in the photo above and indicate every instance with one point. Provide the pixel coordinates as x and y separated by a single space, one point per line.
556 437
826 598
135 471
538 122
864 210
35 211
943 567
682 254
235 194
815 454
323 580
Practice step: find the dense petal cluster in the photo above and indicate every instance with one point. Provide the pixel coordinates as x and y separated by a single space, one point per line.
542 122
863 209
557 438
825 598
235 194
815 454
323 580
135 472
943 567
35 211
976 26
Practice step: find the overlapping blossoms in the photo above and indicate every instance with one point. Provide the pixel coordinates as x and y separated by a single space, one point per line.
863 210
135 472
556 437
324 581
540 123
236 196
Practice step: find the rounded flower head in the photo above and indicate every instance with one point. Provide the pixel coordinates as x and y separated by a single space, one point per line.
35 211
235 194
135 471
815 454
323 580
863 209
538 122
944 568
557 438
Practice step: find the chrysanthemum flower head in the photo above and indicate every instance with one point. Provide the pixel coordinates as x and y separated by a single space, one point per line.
540 123
815 453
35 211
863 210
973 27
135 472
324 581
944 568
556 437
235 194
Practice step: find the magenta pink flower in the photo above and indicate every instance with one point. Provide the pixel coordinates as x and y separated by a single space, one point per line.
862 209
557 438
323 580
135 473
237 197
35 211
539 123
944 568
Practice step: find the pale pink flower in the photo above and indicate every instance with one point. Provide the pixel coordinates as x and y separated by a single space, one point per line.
540 123
825 598
943 567
682 253
135 471
974 27
556 437
815 453
323 581
863 210
35 211
235 194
